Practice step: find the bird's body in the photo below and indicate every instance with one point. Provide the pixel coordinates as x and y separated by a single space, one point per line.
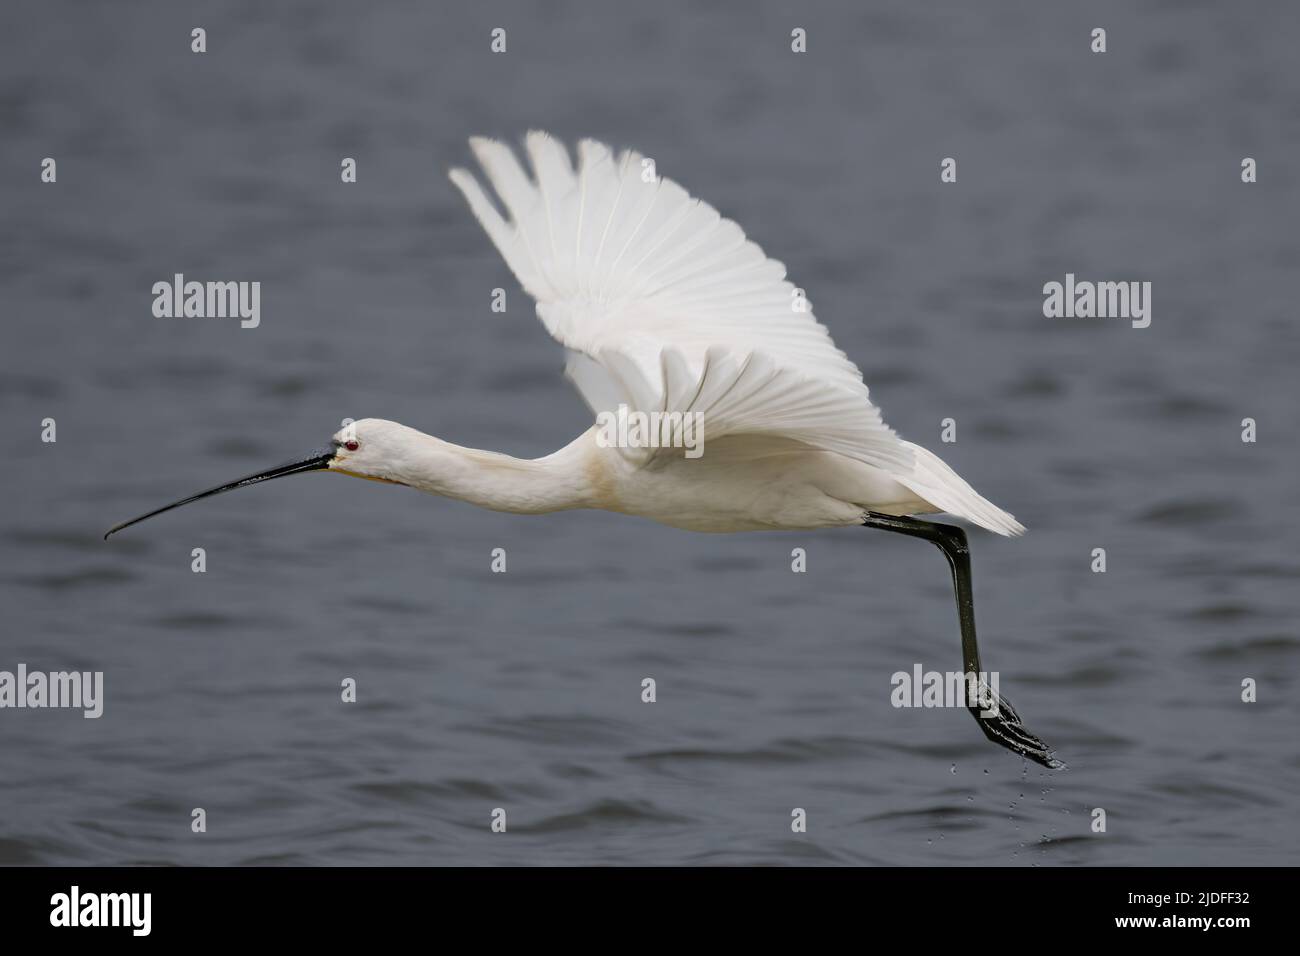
668 312
735 489
737 485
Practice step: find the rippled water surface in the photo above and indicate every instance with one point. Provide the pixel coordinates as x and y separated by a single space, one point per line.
522 690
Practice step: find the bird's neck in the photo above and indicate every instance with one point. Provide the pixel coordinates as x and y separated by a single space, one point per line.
569 478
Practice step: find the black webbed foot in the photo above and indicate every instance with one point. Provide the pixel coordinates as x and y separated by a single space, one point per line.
1001 724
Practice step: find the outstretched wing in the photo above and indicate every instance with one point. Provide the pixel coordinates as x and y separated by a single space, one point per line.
666 306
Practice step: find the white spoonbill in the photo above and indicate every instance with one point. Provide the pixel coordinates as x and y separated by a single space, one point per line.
665 307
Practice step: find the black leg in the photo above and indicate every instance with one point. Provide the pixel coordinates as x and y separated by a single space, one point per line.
995 715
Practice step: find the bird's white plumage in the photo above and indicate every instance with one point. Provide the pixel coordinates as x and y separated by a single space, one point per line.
675 309
666 306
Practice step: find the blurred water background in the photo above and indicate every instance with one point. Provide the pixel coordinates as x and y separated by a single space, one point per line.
522 690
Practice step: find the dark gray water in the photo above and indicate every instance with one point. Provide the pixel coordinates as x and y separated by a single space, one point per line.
522 691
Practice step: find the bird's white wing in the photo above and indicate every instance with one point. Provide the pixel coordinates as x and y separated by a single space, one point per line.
667 305
732 393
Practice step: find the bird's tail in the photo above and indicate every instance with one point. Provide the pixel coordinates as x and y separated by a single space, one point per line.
938 484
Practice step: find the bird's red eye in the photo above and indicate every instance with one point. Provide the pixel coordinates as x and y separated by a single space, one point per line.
352 445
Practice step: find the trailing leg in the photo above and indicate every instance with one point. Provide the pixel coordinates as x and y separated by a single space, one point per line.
994 713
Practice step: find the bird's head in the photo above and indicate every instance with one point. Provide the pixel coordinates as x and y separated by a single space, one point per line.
371 448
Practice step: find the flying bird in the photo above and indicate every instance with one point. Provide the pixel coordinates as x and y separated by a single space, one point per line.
671 317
